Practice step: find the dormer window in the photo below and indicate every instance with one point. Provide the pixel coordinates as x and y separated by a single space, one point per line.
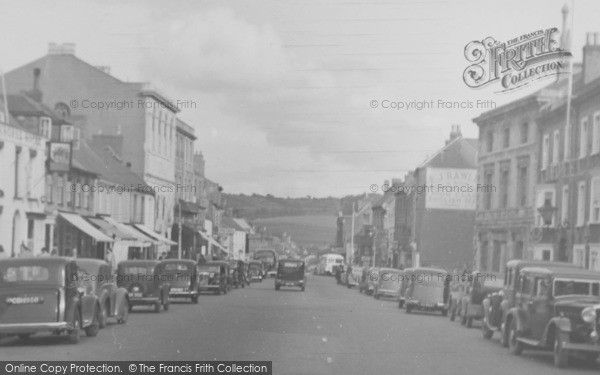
45 129
62 110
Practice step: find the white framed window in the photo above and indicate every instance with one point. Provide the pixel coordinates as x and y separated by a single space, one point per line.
583 138
595 259
543 252
66 133
595 200
45 127
579 255
581 192
555 147
545 148
596 133
564 206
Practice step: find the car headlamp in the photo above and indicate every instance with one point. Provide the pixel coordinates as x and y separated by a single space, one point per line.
588 314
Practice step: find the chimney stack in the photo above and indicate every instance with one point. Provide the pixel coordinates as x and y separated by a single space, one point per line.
61 49
591 58
454 133
35 93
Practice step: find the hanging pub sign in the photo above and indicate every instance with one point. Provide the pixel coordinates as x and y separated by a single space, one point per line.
59 156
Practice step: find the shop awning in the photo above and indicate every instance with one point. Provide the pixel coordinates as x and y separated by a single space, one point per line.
109 229
142 239
156 236
85 227
212 242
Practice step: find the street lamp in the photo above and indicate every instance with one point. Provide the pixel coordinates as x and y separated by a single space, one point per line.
179 231
547 212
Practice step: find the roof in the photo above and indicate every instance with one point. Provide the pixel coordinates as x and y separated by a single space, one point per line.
426 269
36 260
141 262
188 261
85 160
112 169
244 224
455 153
87 263
231 223
387 197
564 272
22 104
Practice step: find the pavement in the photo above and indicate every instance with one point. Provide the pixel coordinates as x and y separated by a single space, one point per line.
328 329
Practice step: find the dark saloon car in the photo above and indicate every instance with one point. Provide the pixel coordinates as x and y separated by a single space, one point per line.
45 295
146 282
427 289
114 301
212 277
290 272
388 282
557 309
183 277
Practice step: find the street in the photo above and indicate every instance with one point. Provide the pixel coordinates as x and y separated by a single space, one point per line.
328 329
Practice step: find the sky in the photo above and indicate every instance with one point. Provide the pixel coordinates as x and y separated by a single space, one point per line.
281 92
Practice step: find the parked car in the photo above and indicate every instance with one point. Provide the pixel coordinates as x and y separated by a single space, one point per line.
290 272
427 290
45 294
114 301
183 277
146 282
213 277
354 276
388 282
497 305
556 309
479 285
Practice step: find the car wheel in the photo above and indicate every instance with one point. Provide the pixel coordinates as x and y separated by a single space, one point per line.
103 316
408 309
469 322
157 307
514 345
486 331
463 320
303 288
166 304
591 359
73 336
125 309
195 299
94 328
218 291
503 335
561 355
444 312
375 295
453 314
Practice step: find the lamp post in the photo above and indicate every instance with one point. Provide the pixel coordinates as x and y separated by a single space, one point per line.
179 231
547 213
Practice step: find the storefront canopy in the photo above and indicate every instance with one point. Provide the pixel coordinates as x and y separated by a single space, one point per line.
142 239
212 242
156 236
81 224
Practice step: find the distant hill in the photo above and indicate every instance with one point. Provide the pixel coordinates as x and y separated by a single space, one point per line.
309 220
305 231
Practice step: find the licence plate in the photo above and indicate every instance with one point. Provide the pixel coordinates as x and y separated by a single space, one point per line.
29 300
136 294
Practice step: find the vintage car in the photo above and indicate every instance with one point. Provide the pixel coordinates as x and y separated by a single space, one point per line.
355 276
496 305
388 282
45 294
255 270
479 285
212 277
146 282
114 301
183 277
458 289
368 279
290 272
427 290
556 309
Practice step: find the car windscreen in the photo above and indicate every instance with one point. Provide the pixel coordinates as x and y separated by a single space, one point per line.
178 268
28 274
565 287
213 269
137 270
